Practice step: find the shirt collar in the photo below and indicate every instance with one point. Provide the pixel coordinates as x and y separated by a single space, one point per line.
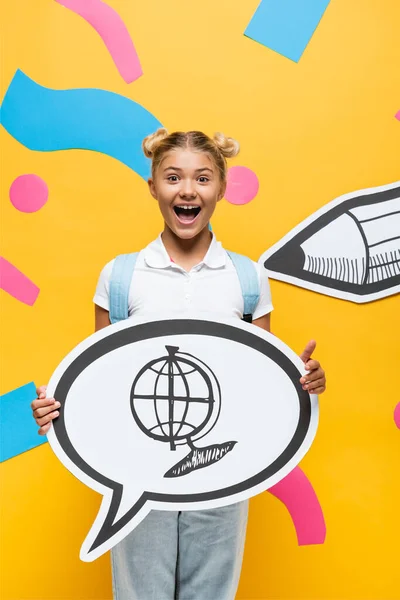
157 257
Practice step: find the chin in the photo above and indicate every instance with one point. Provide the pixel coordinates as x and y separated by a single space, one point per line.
187 233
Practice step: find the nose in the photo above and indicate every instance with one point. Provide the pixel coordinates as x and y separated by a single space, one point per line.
188 189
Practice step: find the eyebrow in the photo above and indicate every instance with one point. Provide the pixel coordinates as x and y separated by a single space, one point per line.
197 170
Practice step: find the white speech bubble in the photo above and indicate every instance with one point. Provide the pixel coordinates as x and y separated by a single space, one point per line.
178 414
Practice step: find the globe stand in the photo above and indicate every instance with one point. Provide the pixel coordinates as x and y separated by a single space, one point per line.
198 458
164 396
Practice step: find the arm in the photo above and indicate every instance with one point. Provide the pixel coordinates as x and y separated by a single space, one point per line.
264 322
314 381
45 409
101 318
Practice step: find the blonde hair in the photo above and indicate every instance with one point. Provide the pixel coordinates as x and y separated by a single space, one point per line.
219 148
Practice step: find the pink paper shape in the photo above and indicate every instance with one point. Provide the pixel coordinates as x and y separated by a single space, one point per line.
112 30
28 193
397 115
242 185
17 284
299 497
397 415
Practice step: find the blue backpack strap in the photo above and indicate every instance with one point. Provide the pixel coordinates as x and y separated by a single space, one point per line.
249 283
120 282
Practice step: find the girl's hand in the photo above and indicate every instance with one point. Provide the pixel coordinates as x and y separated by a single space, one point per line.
44 410
314 381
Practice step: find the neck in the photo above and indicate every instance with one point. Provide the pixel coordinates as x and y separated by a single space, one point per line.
186 253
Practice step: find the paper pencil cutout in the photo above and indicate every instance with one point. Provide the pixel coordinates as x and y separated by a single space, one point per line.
349 249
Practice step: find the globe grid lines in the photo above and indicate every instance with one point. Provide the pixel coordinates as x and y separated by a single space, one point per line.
170 429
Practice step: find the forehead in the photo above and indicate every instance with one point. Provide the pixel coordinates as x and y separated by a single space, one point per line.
187 160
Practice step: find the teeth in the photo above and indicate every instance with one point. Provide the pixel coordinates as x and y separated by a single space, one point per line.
187 207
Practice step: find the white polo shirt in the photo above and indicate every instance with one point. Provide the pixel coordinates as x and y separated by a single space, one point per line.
158 284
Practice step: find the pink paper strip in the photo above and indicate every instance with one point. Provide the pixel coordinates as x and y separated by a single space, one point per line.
112 31
397 415
397 115
17 284
299 497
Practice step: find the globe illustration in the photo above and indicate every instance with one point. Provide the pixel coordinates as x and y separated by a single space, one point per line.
175 398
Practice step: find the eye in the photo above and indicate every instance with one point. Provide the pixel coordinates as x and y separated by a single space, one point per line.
173 178
203 179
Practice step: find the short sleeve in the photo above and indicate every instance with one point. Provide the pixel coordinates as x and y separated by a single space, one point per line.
101 296
264 305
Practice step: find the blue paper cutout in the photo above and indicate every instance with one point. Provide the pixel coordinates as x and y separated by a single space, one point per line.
286 26
19 431
90 119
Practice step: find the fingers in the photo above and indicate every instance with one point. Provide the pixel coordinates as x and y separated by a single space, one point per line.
47 419
314 382
316 388
45 410
317 391
312 365
43 430
313 375
40 403
41 391
308 350
313 385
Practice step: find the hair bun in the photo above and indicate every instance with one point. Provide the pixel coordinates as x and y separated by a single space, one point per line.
226 145
152 141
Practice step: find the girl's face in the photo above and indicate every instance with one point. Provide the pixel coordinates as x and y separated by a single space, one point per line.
187 187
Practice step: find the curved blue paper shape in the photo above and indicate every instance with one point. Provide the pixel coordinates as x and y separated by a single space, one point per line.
18 429
46 120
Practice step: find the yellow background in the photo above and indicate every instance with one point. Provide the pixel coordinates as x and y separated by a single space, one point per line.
311 131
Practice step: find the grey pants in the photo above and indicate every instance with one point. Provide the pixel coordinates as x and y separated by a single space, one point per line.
188 555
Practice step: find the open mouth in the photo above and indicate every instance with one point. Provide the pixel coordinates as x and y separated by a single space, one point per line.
187 213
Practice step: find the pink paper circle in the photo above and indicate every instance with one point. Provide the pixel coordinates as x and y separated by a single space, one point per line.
28 193
242 185
397 415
